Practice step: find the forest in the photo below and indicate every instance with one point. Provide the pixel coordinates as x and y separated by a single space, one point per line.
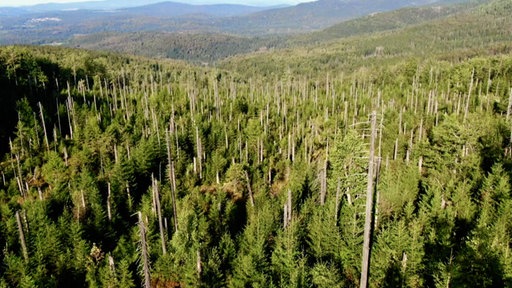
125 171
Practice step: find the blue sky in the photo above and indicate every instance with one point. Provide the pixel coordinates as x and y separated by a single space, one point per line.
251 2
30 2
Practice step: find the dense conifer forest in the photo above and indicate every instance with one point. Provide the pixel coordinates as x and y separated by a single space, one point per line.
123 171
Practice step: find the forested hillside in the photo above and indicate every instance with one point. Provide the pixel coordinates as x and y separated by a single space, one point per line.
202 47
59 24
122 171
193 47
214 47
379 22
477 31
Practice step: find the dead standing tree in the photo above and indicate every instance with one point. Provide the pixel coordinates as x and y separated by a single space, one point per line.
144 252
365 266
22 236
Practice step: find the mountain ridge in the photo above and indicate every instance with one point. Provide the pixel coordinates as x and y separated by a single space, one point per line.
239 20
477 31
169 9
201 47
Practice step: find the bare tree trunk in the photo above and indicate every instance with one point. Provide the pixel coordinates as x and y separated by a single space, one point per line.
199 264
109 211
159 214
69 109
337 203
509 108
400 122
377 192
289 205
57 106
41 114
172 178
144 252
249 189
111 264
509 111
323 183
365 266
466 110
395 152
173 195
285 215
199 153
345 118
116 156
409 149
20 187
22 237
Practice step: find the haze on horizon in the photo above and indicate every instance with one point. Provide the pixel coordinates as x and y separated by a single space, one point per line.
18 3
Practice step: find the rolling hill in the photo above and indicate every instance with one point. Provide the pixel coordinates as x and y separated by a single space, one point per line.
173 9
57 26
315 15
85 5
212 47
194 47
38 26
481 30
378 22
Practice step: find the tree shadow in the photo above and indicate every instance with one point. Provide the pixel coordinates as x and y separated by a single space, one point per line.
479 267
394 277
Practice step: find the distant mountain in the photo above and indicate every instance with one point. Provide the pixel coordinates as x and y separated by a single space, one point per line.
168 17
377 22
11 11
212 47
174 9
87 5
315 15
475 32
57 26
149 5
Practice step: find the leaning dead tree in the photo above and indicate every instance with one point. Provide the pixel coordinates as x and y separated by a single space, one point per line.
172 178
22 236
369 206
156 197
